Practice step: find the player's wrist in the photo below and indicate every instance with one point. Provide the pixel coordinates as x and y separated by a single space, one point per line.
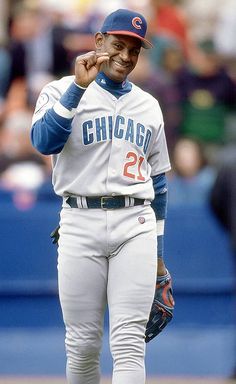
80 86
161 268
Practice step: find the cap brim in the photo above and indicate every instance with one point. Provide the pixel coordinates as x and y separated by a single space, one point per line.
144 42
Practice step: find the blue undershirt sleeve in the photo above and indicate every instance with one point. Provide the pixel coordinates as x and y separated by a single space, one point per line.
50 133
71 98
159 205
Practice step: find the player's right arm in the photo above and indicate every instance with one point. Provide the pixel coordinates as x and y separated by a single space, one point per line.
54 111
53 116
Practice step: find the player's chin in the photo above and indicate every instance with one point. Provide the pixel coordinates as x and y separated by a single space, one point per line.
118 74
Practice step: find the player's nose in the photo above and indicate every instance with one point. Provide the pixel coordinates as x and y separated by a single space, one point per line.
124 55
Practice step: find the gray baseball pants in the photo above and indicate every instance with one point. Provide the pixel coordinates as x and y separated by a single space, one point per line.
106 258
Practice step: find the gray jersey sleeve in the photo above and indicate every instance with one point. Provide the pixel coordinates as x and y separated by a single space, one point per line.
159 156
49 95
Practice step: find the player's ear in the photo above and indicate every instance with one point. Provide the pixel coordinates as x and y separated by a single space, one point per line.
99 41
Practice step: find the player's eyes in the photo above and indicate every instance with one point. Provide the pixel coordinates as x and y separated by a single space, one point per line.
136 52
133 52
118 46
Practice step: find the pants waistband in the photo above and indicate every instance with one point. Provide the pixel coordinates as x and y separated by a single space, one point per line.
103 202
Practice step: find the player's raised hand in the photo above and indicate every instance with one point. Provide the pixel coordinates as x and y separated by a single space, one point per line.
87 67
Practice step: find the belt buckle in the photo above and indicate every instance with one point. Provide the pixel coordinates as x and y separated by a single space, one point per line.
104 200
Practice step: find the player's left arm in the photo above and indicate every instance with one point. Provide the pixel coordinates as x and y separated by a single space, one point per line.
163 304
159 205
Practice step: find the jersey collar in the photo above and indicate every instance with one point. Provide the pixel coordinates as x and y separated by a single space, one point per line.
115 88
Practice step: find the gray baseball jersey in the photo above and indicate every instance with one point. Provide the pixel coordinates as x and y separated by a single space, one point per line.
116 145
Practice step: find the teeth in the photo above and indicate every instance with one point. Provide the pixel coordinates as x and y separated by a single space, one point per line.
120 65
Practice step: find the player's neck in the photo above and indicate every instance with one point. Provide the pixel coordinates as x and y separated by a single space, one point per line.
103 79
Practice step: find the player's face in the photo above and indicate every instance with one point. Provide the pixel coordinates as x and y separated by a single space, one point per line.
123 52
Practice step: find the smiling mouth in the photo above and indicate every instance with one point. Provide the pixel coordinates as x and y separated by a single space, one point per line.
122 66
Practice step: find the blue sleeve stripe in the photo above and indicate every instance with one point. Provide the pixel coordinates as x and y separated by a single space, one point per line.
50 133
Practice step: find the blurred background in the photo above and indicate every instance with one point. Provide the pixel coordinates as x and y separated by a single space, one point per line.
192 72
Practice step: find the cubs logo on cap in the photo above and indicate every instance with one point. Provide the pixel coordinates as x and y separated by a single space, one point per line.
126 22
136 22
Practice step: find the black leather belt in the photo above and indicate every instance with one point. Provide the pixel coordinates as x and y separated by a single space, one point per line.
105 202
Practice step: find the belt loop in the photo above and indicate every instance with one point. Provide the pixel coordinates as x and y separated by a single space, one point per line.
83 202
131 202
79 202
127 201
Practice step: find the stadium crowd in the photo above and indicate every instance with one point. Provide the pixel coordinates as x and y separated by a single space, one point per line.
191 71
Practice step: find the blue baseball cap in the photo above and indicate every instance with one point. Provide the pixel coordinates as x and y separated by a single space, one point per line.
126 22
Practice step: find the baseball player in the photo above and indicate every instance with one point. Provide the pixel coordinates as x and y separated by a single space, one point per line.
109 157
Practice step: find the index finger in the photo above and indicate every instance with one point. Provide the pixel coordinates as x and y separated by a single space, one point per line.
101 54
